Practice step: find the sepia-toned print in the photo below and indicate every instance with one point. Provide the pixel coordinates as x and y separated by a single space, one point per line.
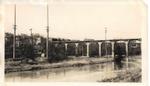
74 41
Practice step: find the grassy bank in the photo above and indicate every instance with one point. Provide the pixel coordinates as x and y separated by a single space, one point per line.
73 61
126 76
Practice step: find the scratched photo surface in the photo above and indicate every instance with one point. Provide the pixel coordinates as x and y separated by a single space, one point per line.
74 41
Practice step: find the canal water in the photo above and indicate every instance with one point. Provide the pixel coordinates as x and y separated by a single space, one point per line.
88 73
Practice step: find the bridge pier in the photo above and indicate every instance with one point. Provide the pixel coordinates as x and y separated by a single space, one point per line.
87 47
66 46
76 48
126 44
112 45
99 43
127 60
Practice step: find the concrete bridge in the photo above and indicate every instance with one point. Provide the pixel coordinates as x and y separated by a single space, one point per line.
87 43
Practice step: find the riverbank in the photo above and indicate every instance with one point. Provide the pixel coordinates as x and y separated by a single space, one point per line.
127 75
89 70
13 66
132 75
73 61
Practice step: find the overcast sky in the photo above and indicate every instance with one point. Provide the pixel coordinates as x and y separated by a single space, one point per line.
80 20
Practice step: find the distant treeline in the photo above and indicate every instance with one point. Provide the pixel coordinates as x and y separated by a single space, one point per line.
35 45
32 47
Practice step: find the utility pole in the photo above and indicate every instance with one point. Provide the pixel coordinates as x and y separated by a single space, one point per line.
31 36
106 40
32 51
47 45
31 31
14 36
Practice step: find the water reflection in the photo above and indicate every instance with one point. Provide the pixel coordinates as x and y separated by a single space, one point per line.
122 64
118 65
83 73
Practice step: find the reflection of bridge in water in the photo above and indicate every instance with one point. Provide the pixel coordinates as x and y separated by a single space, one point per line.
84 48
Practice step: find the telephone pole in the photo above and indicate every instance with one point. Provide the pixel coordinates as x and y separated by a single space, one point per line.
31 36
14 36
32 47
106 40
47 45
31 31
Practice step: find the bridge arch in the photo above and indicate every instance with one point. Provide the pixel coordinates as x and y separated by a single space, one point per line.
106 48
93 49
82 49
71 49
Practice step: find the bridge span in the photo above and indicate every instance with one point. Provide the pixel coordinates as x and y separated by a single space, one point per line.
100 42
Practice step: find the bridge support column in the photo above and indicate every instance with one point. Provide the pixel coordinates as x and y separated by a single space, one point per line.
87 47
112 44
66 46
126 44
99 44
76 48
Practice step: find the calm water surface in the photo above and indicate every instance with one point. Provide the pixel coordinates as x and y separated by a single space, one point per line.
91 73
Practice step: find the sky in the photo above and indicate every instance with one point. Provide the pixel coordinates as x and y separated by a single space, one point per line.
80 19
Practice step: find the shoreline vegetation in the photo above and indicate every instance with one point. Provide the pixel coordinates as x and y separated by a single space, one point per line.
71 62
132 75
17 66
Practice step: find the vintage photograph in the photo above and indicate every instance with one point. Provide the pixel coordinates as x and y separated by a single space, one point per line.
74 41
